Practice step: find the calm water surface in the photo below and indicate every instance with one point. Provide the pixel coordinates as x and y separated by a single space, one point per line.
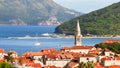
23 45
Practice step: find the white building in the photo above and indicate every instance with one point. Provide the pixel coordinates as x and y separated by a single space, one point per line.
108 61
88 58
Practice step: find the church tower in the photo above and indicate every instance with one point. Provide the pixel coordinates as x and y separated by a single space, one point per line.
78 35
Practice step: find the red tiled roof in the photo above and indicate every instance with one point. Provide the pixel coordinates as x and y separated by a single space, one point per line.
82 47
111 41
33 54
25 60
77 47
1 50
94 51
65 48
87 55
113 66
72 64
109 58
36 53
51 67
97 65
35 65
51 56
47 51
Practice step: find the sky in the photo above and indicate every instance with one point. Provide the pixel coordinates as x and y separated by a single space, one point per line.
85 6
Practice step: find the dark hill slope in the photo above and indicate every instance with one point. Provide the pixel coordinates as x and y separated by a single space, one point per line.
104 21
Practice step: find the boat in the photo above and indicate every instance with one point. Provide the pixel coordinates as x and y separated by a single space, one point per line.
37 43
45 35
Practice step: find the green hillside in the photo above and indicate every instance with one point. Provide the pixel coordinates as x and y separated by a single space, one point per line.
105 21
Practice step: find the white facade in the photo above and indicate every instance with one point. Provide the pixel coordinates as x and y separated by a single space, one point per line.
57 63
2 55
86 59
83 51
110 62
37 57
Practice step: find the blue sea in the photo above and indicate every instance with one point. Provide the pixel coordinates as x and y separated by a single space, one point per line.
25 45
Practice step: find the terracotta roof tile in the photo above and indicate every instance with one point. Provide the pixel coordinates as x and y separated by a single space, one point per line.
1 50
51 67
87 55
82 47
113 66
97 65
109 58
111 41
35 65
71 65
33 54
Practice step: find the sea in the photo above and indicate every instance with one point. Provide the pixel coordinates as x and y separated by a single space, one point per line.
22 45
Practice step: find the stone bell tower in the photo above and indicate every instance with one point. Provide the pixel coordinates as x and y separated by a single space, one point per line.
78 35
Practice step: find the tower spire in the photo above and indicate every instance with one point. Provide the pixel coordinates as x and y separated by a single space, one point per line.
78 35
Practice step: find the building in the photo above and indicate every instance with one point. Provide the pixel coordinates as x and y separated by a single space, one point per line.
108 61
78 35
88 58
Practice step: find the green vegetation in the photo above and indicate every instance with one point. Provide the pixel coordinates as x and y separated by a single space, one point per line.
115 47
105 21
86 65
5 65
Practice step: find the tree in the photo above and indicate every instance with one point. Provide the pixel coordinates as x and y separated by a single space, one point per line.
101 45
9 57
89 65
114 47
5 65
86 65
81 65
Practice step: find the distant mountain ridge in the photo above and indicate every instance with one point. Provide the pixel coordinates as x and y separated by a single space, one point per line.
105 21
32 12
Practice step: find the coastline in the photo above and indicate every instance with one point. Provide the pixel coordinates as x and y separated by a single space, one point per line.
100 37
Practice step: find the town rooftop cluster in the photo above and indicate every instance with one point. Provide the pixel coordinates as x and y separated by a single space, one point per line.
66 57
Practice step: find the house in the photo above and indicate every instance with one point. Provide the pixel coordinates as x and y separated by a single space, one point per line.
108 61
2 54
88 58
57 59
78 49
36 57
105 53
14 53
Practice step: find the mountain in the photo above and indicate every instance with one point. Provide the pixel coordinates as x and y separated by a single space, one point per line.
105 21
33 12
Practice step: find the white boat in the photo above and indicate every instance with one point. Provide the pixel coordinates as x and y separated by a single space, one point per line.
37 43
45 35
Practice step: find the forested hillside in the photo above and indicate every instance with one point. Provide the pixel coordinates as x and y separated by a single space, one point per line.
105 21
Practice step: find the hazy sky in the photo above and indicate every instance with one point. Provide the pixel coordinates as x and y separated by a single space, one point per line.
85 6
